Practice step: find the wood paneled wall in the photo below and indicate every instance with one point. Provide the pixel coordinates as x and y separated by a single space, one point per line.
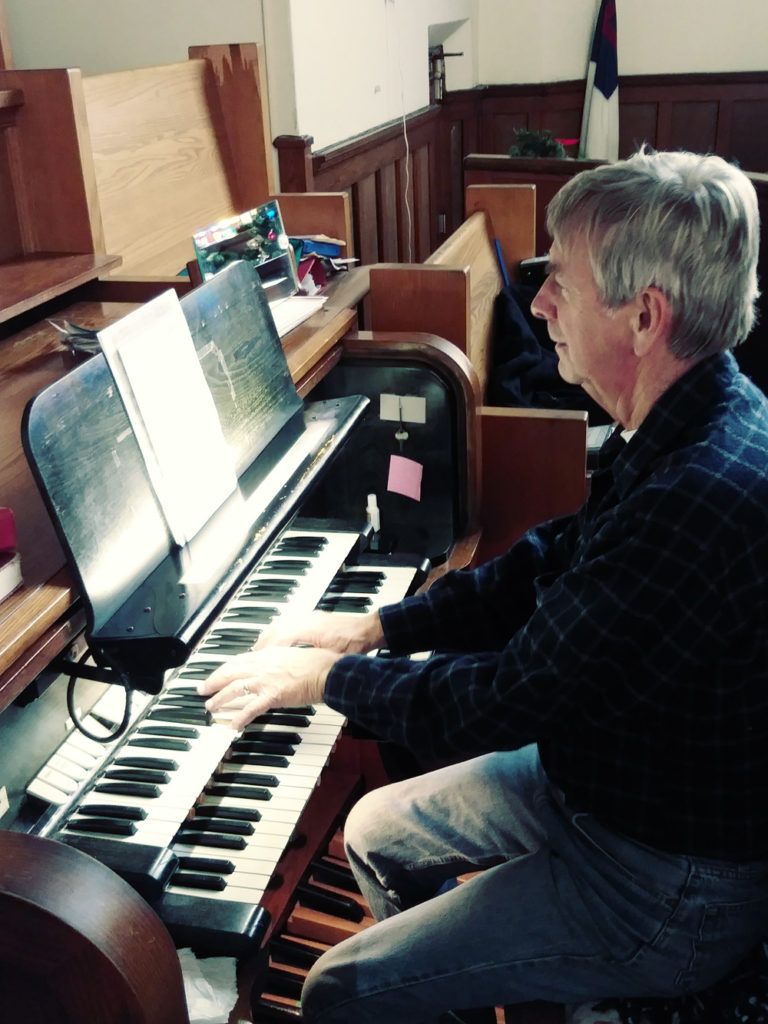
723 113
392 175
406 179
407 198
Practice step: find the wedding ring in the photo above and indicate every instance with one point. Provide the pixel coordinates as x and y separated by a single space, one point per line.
246 691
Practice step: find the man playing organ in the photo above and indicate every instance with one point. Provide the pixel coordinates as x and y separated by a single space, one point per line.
600 688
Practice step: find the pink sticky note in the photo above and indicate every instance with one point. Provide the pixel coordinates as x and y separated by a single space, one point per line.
405 477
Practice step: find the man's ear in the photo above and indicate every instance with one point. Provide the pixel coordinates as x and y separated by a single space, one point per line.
653 320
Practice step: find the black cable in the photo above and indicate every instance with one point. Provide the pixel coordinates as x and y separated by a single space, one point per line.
71 684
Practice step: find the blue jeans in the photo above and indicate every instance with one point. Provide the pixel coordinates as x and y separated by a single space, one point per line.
564 910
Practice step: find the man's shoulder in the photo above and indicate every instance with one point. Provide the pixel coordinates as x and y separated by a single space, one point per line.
715 479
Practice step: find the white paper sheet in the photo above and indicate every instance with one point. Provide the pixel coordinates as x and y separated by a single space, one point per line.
154 363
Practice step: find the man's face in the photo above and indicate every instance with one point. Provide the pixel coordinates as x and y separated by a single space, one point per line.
593 343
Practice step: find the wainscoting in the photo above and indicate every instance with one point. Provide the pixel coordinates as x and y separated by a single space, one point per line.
406 180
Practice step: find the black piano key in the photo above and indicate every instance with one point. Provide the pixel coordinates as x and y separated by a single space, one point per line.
293 721
164 764
151 775
230 646
266 591
360 575
260 760
258 778
110 826
238 792
356 586
258 735
113 811
108 723
199 880
302 542
340 603
301 709
261 615
141 789
298 564
329 903
268 1011
242 779
219 826
198 671
333 874
181 700
235 813
181 731
187 716
205 666
252 746
290 951
159 743
216 864
270 588
289 566
232 634
192 838
283 983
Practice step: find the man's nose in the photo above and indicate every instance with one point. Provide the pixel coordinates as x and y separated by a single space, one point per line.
542 305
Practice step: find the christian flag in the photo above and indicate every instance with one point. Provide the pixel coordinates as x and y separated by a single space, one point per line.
600 121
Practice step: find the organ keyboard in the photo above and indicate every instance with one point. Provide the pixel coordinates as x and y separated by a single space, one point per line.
216 809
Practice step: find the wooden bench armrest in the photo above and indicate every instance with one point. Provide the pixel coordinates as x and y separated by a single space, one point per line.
533 469
421 297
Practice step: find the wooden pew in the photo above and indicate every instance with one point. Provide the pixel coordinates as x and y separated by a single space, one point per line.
548 174
132 163
533 461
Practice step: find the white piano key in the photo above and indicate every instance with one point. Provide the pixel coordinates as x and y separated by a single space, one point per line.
74 771
43 790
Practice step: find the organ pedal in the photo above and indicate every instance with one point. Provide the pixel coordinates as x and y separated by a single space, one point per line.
328 909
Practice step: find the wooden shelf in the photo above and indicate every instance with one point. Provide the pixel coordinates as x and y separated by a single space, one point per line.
28 281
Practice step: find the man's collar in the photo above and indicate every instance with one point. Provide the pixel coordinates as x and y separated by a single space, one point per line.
682 405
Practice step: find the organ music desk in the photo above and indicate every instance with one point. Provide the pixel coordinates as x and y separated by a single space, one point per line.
48 616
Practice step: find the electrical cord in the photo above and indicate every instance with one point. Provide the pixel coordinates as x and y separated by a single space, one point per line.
116 733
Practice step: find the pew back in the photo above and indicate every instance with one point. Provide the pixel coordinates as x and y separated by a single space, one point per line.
177 147
533 460
134 162
458 302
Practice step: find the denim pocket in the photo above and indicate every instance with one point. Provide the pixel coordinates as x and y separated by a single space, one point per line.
727 931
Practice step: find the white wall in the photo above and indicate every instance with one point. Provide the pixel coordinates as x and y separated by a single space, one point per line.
335 67
339 67
358 63
112 35
548 40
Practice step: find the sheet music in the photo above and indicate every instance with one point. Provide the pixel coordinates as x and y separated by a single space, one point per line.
294 310
154 363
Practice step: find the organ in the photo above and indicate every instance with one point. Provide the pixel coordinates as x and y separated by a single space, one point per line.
204 824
